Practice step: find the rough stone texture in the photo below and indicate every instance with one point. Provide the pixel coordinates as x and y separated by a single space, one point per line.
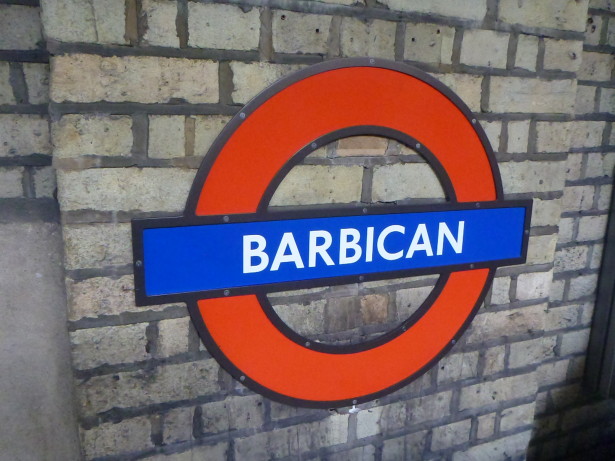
450 435
532 176
116 438
527 52
113 189
305 319
587 134
223 26
207 128
533 285
514 94
467 87
585 102
518 135
79 135
557 14
409 300
405 181
563 54
533 351
473 9
596 66
147 79
14 142
501 449
173 337
249 79
97 245
11 182
429 43
306 185
160 16
6 90
37 82
493 392
541 249
484 48
361 146
20 27
458 366
166 136
44 182
492 325
372 38
300 33
553 137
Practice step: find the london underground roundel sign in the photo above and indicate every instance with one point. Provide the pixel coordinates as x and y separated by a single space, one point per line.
228 250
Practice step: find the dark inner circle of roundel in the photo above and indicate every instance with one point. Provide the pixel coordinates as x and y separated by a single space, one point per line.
324 379
449 193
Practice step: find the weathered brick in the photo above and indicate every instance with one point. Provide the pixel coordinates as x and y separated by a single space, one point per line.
486 426
596 66
206 129
530 352
109 439
571 258
591 228
24 135
100 296
515 417
11 185
146 79
600 165
556 14
160 16
456 367
368 422
374 309
586 134
610 33
532 176
160 189
97 245
518 135
574 167
77 135
225 27
233 413
404 181
516 94
552 372
566 230
472 9
533 285
546 212
367 38
300 32
304 318
361 146
145 387
408 300
173 336
429 407
582 285
93 347
593 29
364 453
101 21
495 392
585 101
343 314
553 136
574 342
20 27
411 446
563 54
37 82
493 130
578 198
381 420
494 360
500 291
44 182
429 43
467 87
541 249
213 452
250 78
604 197
451 435
491 325
485 48
308 184
607 100
166 136
596 257
177 425
527 52
6 90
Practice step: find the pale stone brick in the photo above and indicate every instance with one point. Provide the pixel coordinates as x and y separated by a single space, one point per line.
456 367
110 21
411 446
146 79
486 426
373 38
527 52
233 413
362 146
160 16
485 48
368 422
596 66
374 309
471 9
552 372
20 27
600 165
587 312
571 258
405 181
13 138
109 345
37 81
304 318
429 407
450 435
610 33
593 29
574 167
466 86
532 176
582 285
409 300
429 43
173 336
585 101
251 78
578 198
177 425
518 135
492 325
553 136
78 135
563 54
533 285
494 360
495 392
11 185
307 184
596 257
546 212
207 128
515 94
44 182
166 136
6 91
574 342
111 189
531 352
109 439
300 32
500 290
515 417
213 452
556 14
223 26
493 130
364 453
328 432
137 388
96 245
607 101
541 249
381 420
586 134
591 228
566 230
604 199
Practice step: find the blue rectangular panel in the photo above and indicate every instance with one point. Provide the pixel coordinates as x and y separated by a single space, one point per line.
200 258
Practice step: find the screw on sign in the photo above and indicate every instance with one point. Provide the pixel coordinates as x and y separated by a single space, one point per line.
228 251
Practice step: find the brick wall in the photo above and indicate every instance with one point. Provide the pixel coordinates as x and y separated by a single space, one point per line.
140 88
